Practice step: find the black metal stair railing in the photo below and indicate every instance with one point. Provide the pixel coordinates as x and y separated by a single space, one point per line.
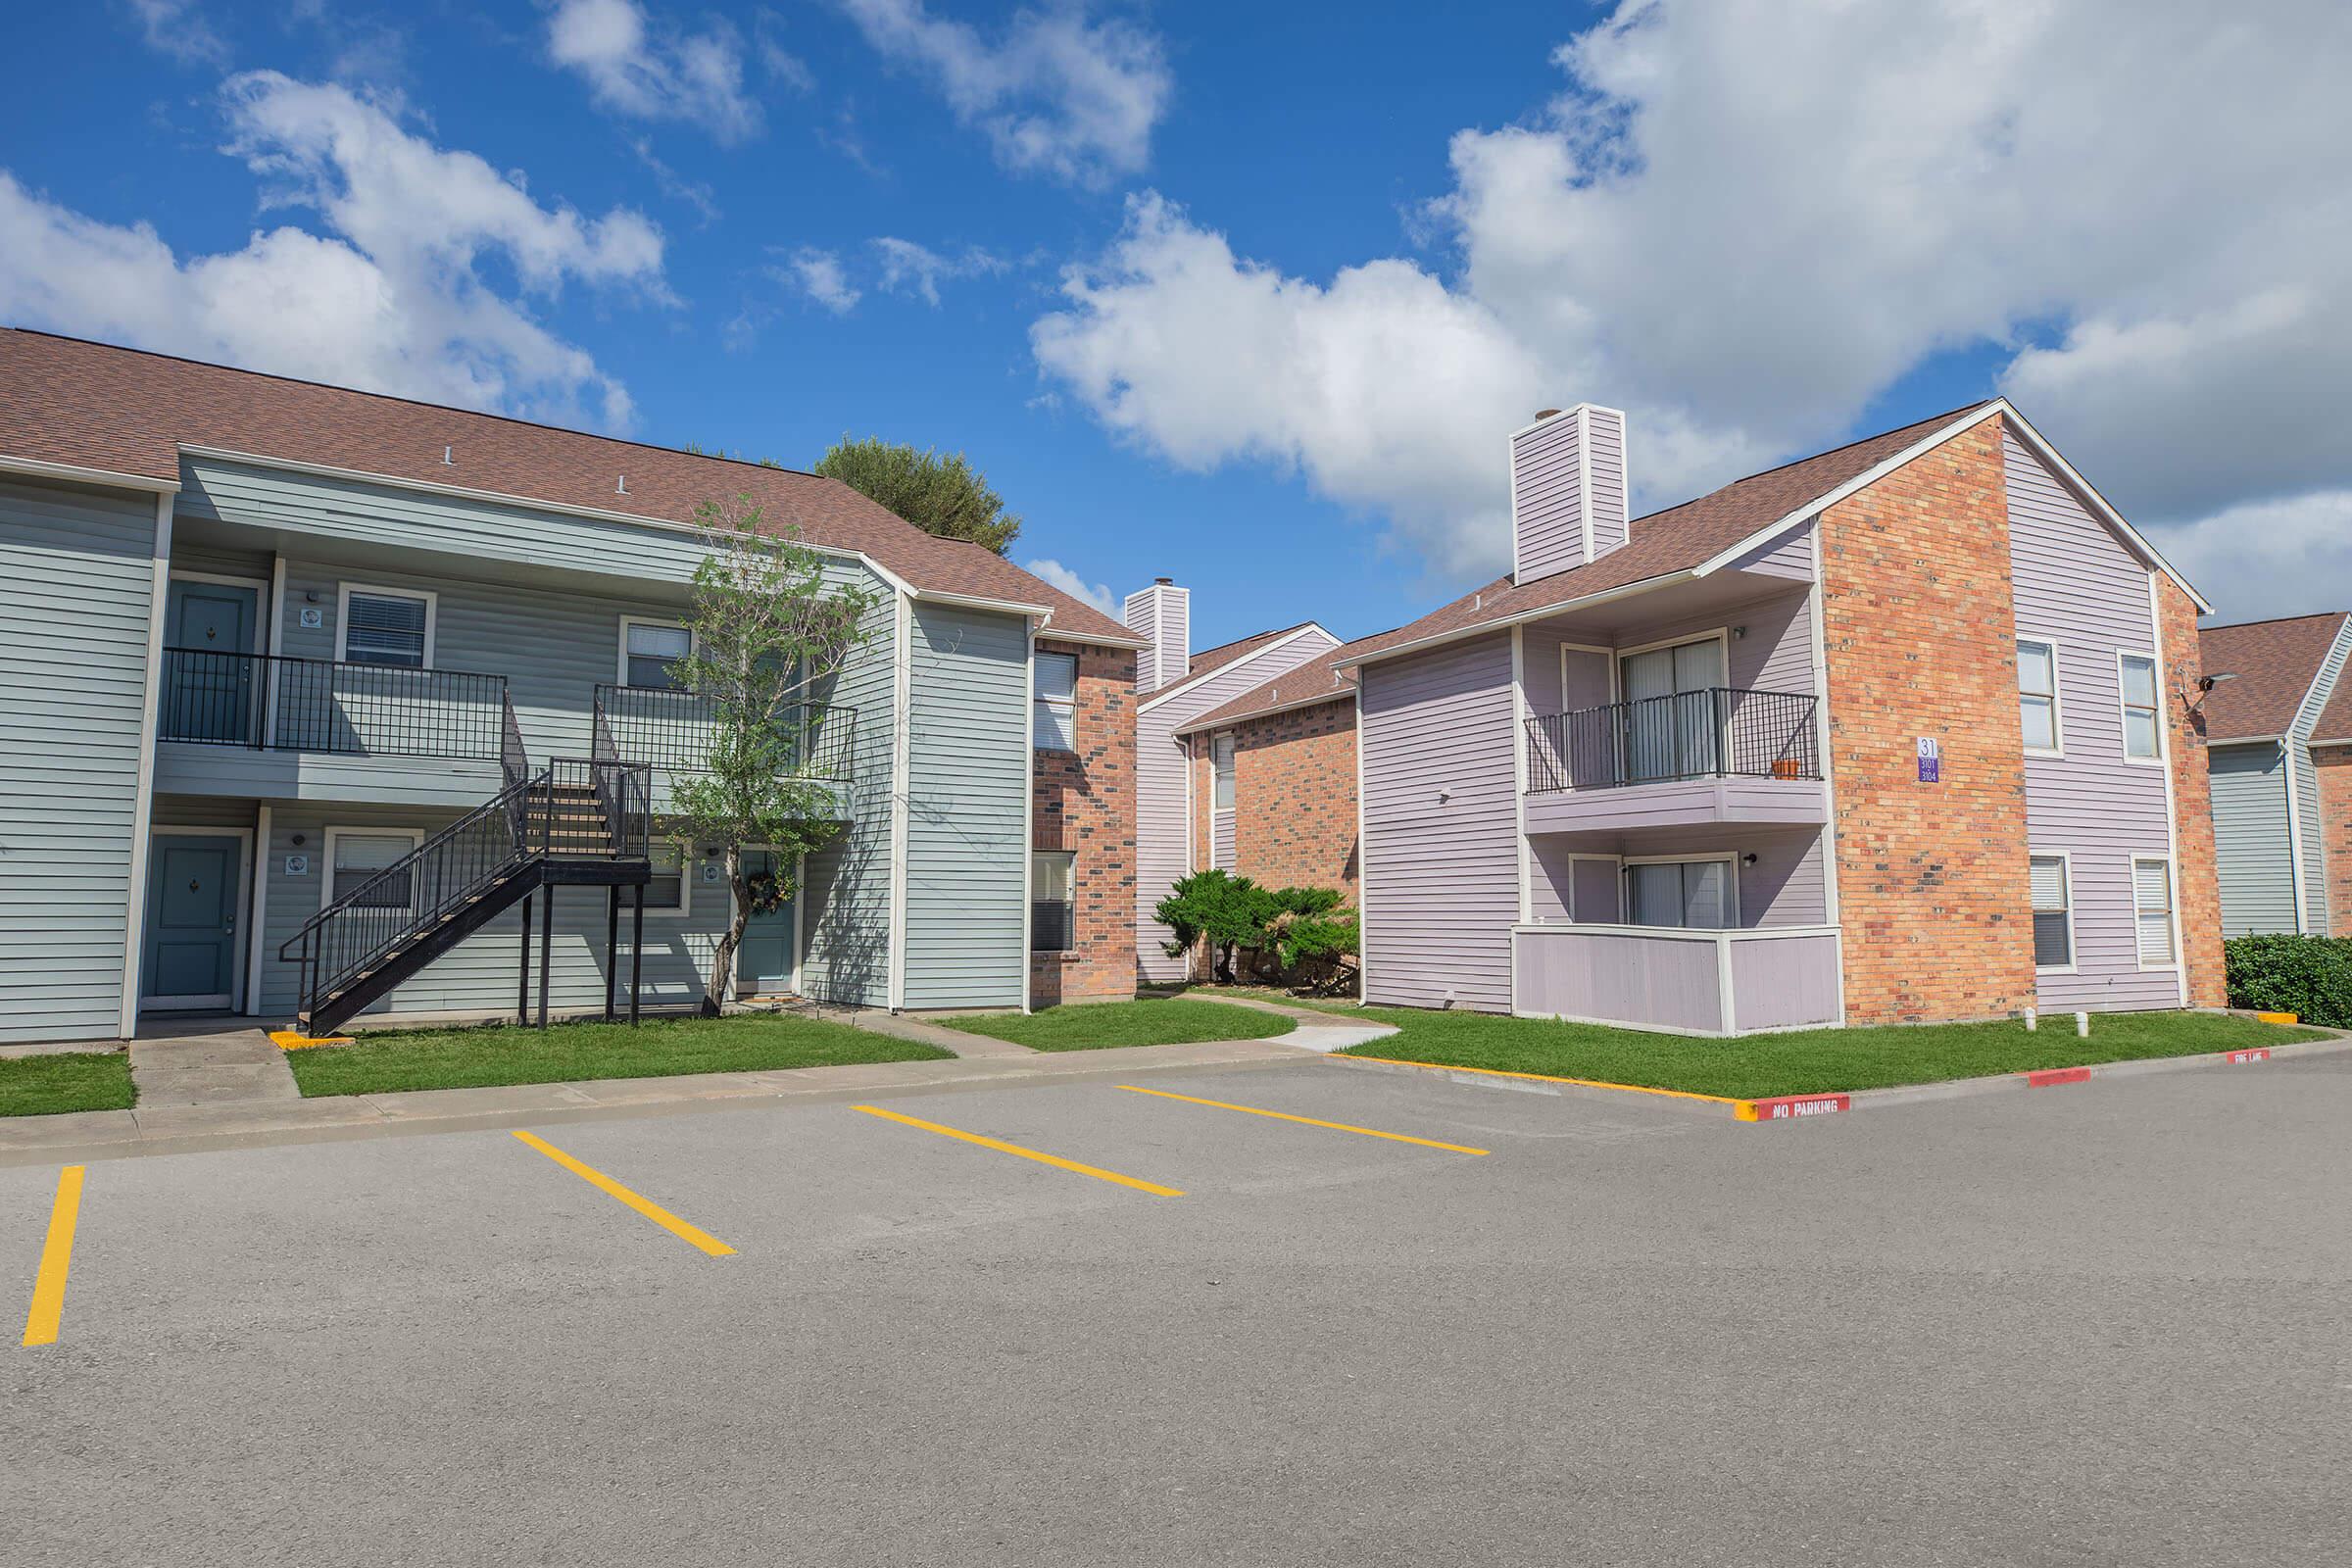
1718 732
577 810
270 701
675 730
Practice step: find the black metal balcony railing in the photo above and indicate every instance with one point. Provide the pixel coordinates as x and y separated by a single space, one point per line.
1721 732
270 702
675 730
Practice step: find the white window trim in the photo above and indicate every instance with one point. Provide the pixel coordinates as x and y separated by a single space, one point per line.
1730 861
1067 705
327 854
2123 701
2074 934
343 593
2057 696
2172 887
686 871
1234 738
621 674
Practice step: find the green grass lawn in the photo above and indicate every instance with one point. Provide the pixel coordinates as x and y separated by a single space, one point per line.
79 1080
1146 1022
1808 1062
477 1058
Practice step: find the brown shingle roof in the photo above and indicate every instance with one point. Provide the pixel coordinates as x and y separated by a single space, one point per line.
126 410
2275 662
1668 541
1316 680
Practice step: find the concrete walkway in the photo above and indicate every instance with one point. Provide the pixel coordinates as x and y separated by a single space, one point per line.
230 1066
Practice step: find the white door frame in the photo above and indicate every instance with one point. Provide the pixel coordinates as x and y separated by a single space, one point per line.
233 1000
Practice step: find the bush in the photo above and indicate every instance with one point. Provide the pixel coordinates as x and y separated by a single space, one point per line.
1295 935
2308 976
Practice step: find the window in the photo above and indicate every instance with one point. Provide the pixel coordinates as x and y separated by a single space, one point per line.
1052 906
2037 693
2152 911
2053 913
385 626
2142 741
1672 728
650 652
1055 702
1691 894
354 860
1220 768
668 893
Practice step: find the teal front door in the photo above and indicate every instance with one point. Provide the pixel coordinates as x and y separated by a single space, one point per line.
763 963
208 677
191 949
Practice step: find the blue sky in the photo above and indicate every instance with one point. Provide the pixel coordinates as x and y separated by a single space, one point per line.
1248 295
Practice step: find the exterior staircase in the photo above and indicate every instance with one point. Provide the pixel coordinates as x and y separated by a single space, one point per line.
574 822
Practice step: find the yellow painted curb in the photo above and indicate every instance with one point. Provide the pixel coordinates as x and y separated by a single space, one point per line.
1544 1078
2278 1018
288 1040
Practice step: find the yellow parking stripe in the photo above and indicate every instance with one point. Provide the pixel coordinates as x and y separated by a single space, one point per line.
1283 1115
57 1256
1002 1147
651 1211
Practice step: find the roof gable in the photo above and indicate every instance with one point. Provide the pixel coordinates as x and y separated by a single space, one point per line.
2273 666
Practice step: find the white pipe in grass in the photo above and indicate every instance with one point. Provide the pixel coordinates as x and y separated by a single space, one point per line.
2082 1024
2033 1020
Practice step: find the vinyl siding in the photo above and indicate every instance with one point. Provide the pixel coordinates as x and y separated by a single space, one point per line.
1774 654
2306 779
1163 840
846 923
968 790
1786 886
1605 435
77 592
1547 498
1789 555
2079 585
2250 839
1441 876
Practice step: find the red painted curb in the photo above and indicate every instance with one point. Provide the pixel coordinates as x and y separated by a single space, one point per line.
2239 1058
2052 1076
1787 1108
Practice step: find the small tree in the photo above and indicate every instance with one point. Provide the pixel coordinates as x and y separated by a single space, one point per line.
769 631
1215 906
944 496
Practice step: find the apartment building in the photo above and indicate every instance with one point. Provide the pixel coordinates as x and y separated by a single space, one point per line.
1273 780
1907 730
2279 732
304 683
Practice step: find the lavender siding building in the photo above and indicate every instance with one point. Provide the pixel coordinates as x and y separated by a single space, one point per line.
1603 788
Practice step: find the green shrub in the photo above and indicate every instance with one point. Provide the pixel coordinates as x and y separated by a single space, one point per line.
2308 976
1288 929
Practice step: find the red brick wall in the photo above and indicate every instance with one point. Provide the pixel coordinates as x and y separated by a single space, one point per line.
1921 639
1294 797
2335 831
2198 872
1084 801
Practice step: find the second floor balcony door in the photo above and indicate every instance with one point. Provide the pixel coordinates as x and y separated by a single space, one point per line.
208 684
1671 727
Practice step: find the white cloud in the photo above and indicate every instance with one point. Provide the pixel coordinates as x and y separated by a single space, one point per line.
390 299
917 270
651 70
1059 92
174 27
820 275
1746 224
1069 582
2289 557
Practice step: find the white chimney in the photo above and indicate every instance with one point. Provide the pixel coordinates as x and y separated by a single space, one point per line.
1568 490
1162 613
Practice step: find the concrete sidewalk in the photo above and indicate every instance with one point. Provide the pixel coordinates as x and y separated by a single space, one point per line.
254 1123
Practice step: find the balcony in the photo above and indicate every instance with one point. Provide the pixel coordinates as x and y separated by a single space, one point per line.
1681 981
673 730
1722 755
260 725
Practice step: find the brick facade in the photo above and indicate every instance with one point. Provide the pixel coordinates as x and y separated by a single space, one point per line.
1294 797
1920 640
2198 872
1084 801
2335 765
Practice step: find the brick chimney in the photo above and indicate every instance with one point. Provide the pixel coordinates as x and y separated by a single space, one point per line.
1162 614
1568 490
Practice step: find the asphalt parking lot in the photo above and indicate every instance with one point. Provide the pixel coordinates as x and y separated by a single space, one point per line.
2100 1324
